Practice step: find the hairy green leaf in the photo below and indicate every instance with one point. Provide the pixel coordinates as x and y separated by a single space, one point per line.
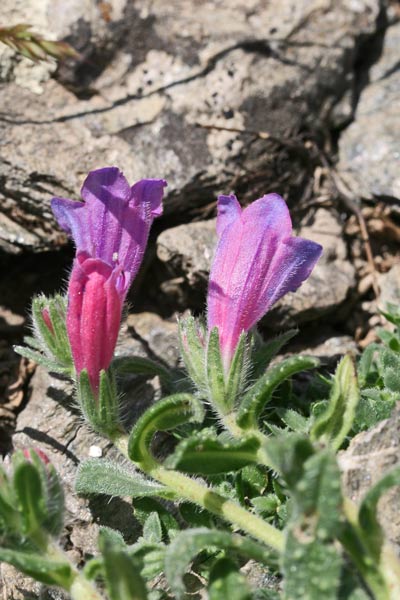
98 476
29 492
166 414
264 352
122 575
261 392
192 350
189 543
311 568
334 424
139 365
152 530
42 569
202 454
226 581
371 528
216 375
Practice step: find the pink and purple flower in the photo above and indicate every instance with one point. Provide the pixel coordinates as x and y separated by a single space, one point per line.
256 262
110 230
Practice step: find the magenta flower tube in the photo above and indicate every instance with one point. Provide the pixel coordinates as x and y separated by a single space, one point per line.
114 221
93 315
256 262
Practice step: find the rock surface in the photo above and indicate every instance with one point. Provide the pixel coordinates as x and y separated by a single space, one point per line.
147 103
369 149
369 456
390 287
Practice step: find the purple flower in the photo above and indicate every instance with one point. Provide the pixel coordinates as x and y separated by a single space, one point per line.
114 221
256 262
93 315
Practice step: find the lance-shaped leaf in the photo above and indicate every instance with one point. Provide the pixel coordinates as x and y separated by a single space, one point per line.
42 569
208 455
9 517
50 345
216 375
30 497
367 516
121 572
311 569
264 352
97 476
53 493
39 358
226 581
191 342
57 308
144 507
140 365
237 376
163 416
152 529
334 424
102 409
189 543
261 392
311 562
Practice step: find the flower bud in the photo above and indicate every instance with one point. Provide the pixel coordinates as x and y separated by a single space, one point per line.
93 316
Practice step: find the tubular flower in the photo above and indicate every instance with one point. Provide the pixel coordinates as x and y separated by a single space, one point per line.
93 315
114 221
257 261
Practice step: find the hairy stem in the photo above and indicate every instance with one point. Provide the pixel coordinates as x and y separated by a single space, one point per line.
230 511
198 493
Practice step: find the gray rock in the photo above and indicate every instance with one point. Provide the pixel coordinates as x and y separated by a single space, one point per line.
187 251
369 456
369 148
158 337
389 284
324 344
150 106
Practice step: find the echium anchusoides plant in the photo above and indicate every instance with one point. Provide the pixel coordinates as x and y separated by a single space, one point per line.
257 260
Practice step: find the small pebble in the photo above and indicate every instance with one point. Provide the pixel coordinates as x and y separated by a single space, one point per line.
95 452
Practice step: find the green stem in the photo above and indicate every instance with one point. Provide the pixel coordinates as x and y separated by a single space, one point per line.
218 505
198 493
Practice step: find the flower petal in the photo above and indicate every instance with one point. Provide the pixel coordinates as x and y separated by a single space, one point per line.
113 223
147 194
291 266
229 210
256 262
72 217
93 316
